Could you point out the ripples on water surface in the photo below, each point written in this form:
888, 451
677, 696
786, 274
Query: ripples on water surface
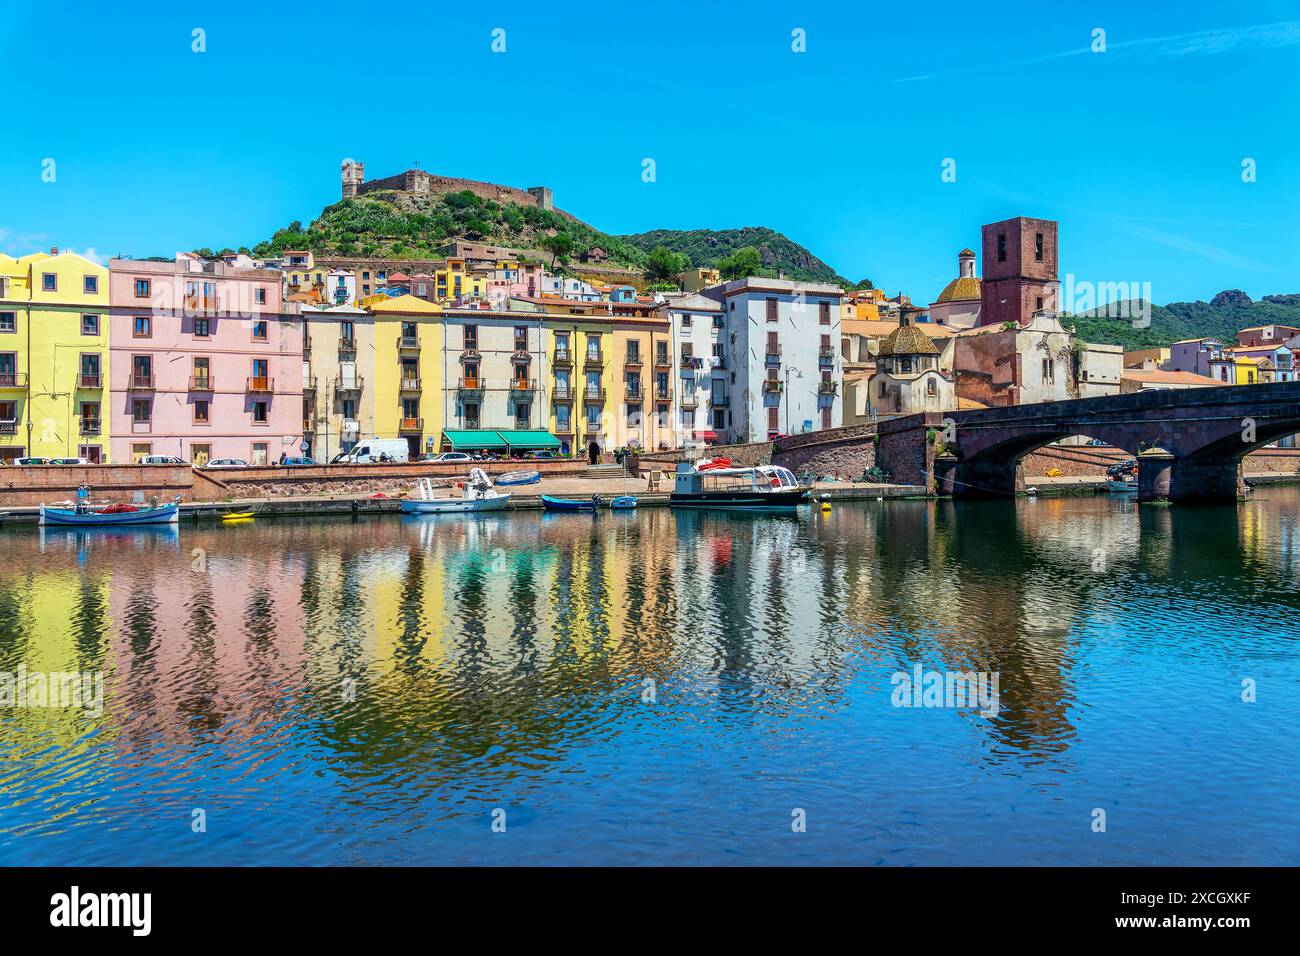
369, 691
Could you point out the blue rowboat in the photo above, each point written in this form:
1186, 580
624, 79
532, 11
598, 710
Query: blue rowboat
623, 502
519, 478
569, 504
162, 514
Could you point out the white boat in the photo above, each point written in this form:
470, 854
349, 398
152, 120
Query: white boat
477, 495
1121, 487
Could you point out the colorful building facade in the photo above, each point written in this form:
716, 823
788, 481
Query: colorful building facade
204, 362
408, 373
54, 357
338, 378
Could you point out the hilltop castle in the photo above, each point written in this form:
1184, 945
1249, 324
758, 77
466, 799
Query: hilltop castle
425, 184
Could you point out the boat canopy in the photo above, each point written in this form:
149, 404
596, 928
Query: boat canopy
478, 439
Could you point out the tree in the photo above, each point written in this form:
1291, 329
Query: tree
741, 263
558, 245
663, 264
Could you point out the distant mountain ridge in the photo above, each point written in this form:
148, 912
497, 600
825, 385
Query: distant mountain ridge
1190, 320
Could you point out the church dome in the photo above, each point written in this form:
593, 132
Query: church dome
907, 340
961, 289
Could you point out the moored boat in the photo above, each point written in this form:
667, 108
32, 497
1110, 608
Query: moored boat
118, 515
761, 488
519, 478
477, 494
551, 503
623, 502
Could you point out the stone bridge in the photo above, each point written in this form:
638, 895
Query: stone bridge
1189, 442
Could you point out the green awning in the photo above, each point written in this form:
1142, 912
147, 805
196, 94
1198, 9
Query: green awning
462, 440
530, 440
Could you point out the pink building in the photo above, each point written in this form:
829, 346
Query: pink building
205, 362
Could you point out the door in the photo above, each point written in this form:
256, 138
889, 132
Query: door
593, 453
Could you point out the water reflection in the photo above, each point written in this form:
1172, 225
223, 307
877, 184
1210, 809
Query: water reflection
363, 673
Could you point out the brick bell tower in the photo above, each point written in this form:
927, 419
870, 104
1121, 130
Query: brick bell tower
1020, 270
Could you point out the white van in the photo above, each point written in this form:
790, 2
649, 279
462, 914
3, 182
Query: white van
378, 449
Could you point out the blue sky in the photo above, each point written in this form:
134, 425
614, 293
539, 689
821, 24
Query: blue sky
1137, 151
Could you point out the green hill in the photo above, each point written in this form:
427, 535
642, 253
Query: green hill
706, 247
1189, 320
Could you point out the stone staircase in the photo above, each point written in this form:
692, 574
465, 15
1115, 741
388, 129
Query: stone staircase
604, 471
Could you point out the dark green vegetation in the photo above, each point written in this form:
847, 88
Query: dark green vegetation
1189, 320
714, 247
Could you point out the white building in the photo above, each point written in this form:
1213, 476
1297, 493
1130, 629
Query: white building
768, 363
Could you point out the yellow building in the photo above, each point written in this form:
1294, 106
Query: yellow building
611, 382
408, 386
53, 357
693, 280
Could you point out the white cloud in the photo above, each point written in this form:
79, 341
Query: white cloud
1205, 250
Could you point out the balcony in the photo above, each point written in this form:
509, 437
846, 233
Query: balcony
13, 380
593, 393
632, 360
10, 427
347, 346
773, 356
141, 382
562, 393
687, 361
409, 384
408, 343
662, 360
471, 385
202, 303
562, 357
260, 383
633, 393
826, 355
591, 428
309, 384
828, 388
351, 383
89, 426
773, 386
720, 401
523, 385
90, 380
594, 360
663, 395
306, 344
411, 425
690, 399
201, 383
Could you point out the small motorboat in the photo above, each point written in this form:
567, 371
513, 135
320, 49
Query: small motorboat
623, 502
571, 504
116, 514
1121, 479
760, 488
476, 495
520, 478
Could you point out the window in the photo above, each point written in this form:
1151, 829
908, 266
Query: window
1002, 247
199, 375
259, 453
259, 330
260, 416
824, 313
142, 371
200, 454
773, 418
201, 411
92, 453
826, 417
202, 329
49, 282
930, 388
1038, 304
772, 315
471, 415
881, 391
471, 337
8, 321
141, 410
1049, 371
140, 450
142, 287
349, 407
593, 348
521, 338
90, 325
1038, 246
89, 370
90, 285
259, 296
522, 412
142, 328
89, 415
563, 419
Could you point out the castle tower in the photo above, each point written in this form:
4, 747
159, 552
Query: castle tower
542, 195
354, 174
1020, 270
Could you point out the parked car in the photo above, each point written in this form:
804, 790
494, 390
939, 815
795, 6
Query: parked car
71, 461
226, 463
298, 462
547, 453
450, 456
162, 460
31, 461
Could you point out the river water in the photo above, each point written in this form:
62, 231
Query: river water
662, 688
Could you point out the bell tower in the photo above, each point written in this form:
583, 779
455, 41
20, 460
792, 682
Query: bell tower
354, 175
